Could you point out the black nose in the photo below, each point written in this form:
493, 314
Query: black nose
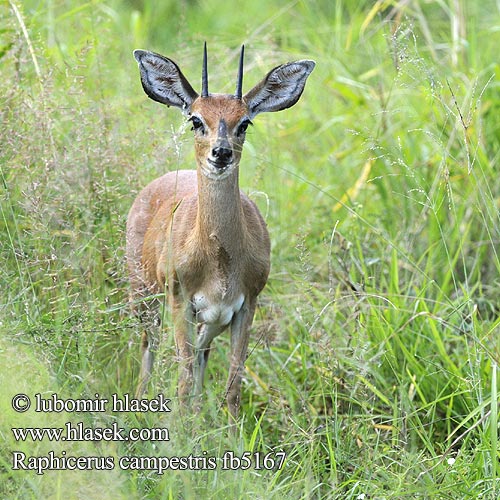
222, 154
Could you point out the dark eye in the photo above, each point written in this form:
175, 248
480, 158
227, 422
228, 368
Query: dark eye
242, 128
197, 124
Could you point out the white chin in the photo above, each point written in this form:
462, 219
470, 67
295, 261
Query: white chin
215, 173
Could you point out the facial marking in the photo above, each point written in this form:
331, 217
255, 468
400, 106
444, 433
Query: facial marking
222, 128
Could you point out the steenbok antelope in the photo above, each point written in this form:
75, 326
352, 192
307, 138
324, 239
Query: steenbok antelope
193, 234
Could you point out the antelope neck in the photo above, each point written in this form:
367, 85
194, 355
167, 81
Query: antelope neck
219, 217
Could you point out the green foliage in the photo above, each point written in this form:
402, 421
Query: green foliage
373, 360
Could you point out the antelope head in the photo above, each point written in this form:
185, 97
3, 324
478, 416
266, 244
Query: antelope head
220, 121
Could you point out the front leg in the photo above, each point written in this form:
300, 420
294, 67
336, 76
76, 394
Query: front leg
206, 333
240, 332
184, 334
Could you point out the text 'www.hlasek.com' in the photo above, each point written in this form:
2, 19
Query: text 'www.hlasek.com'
79, 432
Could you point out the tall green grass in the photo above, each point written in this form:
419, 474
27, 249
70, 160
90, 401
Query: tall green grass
374, 353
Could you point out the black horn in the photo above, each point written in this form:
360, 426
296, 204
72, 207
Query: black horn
239, 82
204, 73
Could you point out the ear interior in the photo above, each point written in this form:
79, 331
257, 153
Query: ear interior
280, 89
163, 81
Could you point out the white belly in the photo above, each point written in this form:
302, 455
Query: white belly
216, 313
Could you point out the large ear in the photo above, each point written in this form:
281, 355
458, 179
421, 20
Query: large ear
280, 89
163, 81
